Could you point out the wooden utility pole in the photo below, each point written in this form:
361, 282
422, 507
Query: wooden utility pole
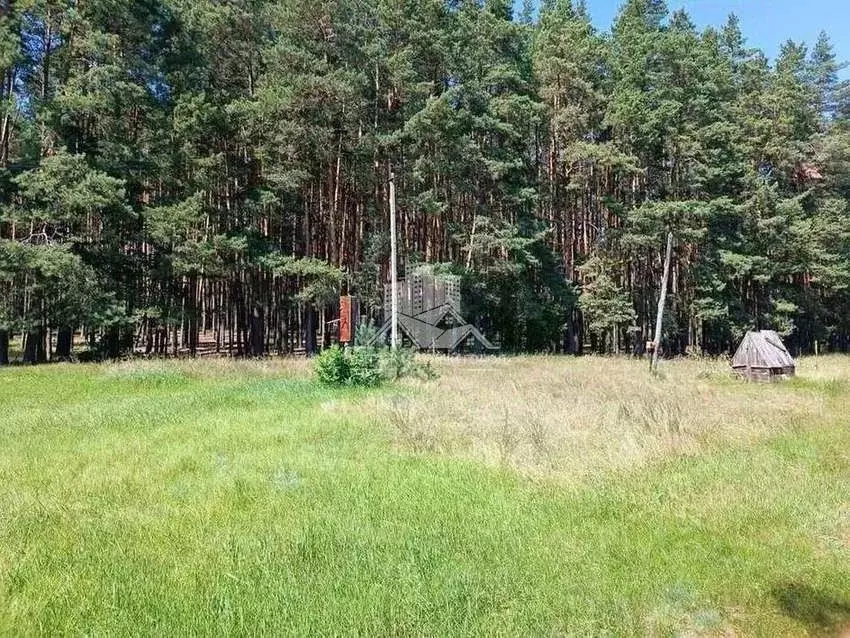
662, 300
393, 263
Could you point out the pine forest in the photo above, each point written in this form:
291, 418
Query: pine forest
185, 177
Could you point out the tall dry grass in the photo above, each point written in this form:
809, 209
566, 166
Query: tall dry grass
571, 417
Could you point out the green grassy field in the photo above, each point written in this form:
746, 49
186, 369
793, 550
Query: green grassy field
184, 499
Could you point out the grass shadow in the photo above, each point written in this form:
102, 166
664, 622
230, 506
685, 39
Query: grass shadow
821, 612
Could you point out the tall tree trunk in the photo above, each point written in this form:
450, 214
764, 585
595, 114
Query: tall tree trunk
192, 323
4, 348
662, 300
64, 343
310, 345
257, 338
34, 350
112, 342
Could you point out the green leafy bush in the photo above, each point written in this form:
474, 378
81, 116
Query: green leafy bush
366, 334
333, 366
364, 366
402, 362
360, 366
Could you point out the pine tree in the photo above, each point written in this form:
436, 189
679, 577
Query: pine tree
185, 176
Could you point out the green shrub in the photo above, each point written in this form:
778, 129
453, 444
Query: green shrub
365, 335
360, 366
402, 362
333, 366
364, 366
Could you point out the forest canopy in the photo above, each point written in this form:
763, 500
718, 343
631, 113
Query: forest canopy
182, 175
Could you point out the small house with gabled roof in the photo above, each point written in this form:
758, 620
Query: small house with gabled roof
430, 316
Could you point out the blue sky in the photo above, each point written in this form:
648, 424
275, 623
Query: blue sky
765, 23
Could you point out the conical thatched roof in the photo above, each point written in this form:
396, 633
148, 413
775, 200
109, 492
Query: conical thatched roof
763, 349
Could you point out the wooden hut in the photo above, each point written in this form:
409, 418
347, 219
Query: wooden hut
762, 357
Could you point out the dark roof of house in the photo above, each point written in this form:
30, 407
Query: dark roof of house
426, 332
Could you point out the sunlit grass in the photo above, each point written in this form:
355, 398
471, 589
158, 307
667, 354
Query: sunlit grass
184, 499
566, 417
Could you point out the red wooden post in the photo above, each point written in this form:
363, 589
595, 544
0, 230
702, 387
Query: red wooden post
346, 328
